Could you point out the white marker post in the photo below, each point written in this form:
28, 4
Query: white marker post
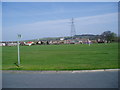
19, 36
89, 42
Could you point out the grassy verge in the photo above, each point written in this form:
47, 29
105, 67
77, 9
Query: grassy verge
62, 57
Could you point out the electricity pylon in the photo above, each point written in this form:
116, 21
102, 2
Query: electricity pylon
73, 32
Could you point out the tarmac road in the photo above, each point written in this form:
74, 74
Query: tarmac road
102, 79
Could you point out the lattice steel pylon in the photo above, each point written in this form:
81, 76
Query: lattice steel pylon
73, 32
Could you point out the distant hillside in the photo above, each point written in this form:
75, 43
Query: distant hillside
107, 35
86, 36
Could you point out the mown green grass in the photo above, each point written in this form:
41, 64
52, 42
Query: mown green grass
62, 57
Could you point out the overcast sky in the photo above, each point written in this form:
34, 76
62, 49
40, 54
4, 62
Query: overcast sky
50, 19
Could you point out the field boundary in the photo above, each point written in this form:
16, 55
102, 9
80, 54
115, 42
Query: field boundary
72, 71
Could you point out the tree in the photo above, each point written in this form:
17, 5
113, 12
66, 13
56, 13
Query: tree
109, 36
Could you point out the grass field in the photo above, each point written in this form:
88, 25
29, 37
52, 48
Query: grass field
62, 57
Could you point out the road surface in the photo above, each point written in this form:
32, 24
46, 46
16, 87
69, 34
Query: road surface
101, 79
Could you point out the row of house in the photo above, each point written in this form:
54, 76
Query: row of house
8, 43
15, 43
54, 42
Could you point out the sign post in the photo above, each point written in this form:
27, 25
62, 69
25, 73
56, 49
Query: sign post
19, 36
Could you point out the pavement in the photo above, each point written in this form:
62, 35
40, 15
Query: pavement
65, 71
60, 79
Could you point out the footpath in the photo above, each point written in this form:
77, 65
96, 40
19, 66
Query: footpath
65, 71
